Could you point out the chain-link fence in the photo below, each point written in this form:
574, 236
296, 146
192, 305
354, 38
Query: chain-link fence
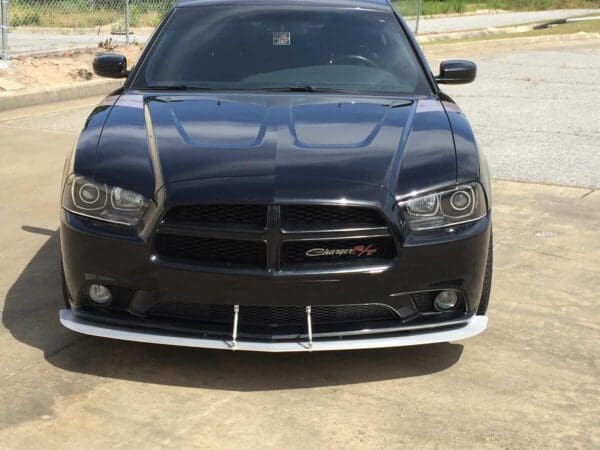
50, 26
4, 30
410, 10
32, 27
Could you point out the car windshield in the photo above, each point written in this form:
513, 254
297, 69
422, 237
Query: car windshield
272, 47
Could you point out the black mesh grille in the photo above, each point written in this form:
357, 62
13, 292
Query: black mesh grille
338, 251
324, 216
247, 215
231, 248
275, 315
201, 250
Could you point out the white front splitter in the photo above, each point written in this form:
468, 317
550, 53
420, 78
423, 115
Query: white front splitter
471, 328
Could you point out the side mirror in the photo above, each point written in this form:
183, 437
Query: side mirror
110, 65
456, 71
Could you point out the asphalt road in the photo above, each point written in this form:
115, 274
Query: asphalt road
28, 43
22, 42
530, 381
534, 108
479, 21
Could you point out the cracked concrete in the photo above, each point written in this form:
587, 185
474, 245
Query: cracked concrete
588, 193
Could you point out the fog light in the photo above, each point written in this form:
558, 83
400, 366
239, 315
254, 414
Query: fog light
100, 294
446, 300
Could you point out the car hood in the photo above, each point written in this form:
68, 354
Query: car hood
314, 142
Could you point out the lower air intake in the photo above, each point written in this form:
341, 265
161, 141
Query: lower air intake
275, 315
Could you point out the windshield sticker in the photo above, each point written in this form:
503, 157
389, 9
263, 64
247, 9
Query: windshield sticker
282, 38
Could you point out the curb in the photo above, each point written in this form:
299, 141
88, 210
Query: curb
14, 100
470, 34
454, 39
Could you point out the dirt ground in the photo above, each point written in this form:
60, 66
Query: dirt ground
28, 73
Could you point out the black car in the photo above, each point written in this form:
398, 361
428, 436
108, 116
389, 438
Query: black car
278, 176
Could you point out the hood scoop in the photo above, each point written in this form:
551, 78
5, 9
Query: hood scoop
336, 125
300, 143
218, 123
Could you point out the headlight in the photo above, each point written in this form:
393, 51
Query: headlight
462, 204
100, 201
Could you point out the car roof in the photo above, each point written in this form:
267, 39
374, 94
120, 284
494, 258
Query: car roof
365, 4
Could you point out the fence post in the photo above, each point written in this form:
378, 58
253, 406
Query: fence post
126, 22
4, 27
418, 15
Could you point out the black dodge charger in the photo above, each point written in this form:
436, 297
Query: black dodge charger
278, 176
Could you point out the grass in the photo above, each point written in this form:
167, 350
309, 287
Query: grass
147, 13
591, 26
85, 13
433, 7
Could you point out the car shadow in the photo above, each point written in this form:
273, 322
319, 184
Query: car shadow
31, 316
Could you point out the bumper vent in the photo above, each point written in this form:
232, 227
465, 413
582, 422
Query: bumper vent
214, 215
329, 217
209, 251
424, 301
275, 316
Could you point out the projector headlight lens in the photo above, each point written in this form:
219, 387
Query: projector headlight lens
460, 200
100, 201
89, 193
465, 203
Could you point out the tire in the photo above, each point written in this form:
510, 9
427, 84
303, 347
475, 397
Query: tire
487, 280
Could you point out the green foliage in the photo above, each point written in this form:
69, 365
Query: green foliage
443, 6
432, 7
25, 18
85, 13
148, 13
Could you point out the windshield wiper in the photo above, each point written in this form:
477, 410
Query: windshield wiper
303, 88
176, 87
307, 88
300, 88
284, 88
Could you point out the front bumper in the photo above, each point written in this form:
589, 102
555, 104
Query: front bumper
89, 256
442, 332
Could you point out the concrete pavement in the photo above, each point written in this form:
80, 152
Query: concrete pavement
33, 43
503, 19
530, 381
534, 107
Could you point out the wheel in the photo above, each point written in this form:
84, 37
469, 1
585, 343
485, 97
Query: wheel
487, 281
64, 286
